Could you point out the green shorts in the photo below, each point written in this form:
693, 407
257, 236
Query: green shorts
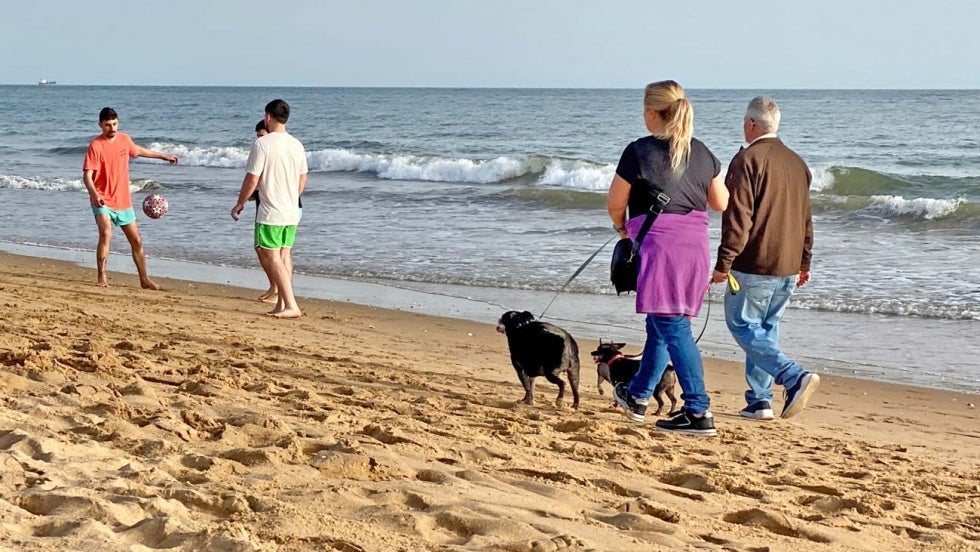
119, 218
274, 237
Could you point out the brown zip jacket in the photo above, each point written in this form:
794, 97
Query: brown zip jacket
767, 228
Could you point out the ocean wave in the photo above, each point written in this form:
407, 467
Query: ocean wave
544, 170
411, 167
898, 207
144, 185
66, 185
579, 175
69, 150
34, 183
221, 157
553, 198
895, 307
868, 192
920, 207
858, 181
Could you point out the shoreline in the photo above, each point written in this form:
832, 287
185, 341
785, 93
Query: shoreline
186, 419
868, 336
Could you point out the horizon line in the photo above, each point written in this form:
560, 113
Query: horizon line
398, 87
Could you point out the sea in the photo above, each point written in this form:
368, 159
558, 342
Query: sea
469, 202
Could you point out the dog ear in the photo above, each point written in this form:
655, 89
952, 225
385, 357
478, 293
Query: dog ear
619, 346
528, 315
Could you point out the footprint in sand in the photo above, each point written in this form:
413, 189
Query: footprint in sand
775, 523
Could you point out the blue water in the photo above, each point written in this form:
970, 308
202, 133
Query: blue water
504, 190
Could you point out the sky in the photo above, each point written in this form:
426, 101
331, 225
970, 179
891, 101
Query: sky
494, 43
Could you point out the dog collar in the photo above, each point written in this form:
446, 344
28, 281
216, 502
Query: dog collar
619, 356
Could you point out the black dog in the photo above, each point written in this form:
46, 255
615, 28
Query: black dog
616, 368
540, 349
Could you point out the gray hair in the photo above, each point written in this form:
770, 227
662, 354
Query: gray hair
764, 112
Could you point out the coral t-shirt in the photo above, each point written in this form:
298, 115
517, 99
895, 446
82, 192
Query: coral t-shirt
110, 161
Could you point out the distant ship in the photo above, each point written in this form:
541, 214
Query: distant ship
46, 81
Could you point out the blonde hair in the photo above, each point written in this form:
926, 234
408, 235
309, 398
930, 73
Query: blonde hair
669, 100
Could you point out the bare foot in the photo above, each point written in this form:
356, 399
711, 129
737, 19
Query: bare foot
270, 296
285, 313
150, 284
103, 281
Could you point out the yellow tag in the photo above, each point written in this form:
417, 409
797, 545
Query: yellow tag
733, 283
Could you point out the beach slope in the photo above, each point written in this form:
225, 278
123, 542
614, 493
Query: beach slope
186, 420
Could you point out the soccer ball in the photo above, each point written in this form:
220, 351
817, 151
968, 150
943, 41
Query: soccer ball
155, 206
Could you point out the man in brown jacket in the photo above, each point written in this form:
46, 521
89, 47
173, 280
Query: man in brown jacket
766, 240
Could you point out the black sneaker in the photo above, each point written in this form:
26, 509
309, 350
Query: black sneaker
686, 423
799, 394
759, 410
636, 408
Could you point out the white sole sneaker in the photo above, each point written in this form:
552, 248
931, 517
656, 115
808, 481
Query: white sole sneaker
764, 414
808, 386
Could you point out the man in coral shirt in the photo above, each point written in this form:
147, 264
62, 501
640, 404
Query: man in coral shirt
106, 176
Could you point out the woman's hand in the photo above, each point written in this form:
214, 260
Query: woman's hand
616, 201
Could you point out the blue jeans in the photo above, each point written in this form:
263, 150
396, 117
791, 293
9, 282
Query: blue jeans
753, 315
670, 338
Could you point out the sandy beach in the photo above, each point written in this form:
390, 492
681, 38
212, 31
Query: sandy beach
187, 420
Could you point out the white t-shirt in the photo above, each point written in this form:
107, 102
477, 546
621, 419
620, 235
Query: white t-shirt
278, 160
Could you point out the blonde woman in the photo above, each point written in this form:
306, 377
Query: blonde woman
675, 263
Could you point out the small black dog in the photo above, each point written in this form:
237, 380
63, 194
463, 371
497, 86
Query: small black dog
613, 366
540, 349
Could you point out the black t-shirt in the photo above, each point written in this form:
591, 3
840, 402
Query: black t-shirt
645, 164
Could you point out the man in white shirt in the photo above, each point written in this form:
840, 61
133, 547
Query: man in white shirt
277, 167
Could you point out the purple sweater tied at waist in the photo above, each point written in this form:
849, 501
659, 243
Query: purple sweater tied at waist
675, 264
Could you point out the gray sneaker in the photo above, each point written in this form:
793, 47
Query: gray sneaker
798, 395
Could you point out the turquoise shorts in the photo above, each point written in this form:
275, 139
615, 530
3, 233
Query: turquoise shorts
119, 218
274, 237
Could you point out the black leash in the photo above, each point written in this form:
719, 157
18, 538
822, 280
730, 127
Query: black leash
575, 275
707, 314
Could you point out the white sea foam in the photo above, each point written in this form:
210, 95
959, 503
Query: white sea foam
565, 173
578, 175
823, 179
924, 207
410, 167
223, 157
64, 184
54, 184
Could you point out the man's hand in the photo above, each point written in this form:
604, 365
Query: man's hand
237, 210
95, 200
172, 159
803, 278
718, 277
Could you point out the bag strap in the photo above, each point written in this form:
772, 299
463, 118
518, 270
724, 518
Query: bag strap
660, 201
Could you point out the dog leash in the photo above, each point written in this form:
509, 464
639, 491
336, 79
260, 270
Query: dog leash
575, 275
707, 314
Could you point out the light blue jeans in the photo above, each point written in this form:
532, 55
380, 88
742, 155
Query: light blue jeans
670, 338
753, 316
